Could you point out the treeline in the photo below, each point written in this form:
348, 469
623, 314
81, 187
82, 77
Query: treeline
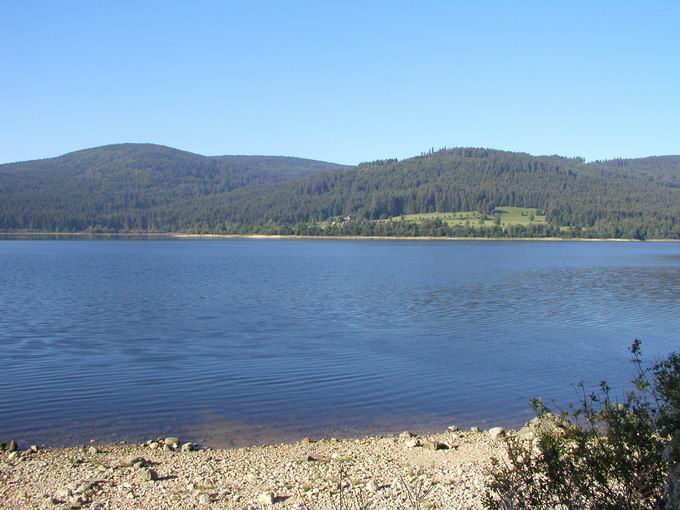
139, 188
367, 228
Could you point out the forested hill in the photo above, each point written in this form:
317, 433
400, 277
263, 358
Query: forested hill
81, 189
579, 199
178, 191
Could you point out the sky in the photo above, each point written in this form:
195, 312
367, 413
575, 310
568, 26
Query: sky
340, 81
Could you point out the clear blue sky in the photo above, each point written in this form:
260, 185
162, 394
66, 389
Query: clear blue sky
341, 81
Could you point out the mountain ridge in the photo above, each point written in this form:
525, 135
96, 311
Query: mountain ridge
156, 188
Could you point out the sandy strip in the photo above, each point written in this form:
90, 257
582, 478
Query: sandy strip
183, 235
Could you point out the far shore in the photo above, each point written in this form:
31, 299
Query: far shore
182, 235
445, 470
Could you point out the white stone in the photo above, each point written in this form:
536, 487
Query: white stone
496, 432
266, 498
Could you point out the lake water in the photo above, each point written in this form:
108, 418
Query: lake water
233, 342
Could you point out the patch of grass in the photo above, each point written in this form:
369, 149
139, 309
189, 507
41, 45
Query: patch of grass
508, 216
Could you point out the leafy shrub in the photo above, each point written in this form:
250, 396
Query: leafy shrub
605, 454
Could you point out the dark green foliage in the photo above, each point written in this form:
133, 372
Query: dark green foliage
86, 189
158, 189
610, 455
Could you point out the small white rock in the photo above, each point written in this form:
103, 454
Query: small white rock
266, 498
496, 432
412, 443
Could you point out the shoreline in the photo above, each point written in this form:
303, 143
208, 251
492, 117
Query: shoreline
181, 235
450, 467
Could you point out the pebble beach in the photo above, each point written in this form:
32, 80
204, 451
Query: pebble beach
445, 471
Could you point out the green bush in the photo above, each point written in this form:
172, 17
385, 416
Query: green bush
604, 454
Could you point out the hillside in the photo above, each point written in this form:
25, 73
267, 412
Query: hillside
578, 199
153, 188
78, 190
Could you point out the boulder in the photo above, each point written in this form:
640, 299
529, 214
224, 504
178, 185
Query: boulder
172, 442
496, 432
546, 424
412, 443
526, 434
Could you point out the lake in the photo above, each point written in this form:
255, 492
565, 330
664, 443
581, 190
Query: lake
236, 342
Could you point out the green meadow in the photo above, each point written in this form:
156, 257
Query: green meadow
508, 216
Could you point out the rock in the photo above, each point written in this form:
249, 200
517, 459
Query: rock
548, 424
188, 447
93, 450
435, 445
172, 442
153, 445
496, 432
371, 486
204, 499
34, 448
412, 443
135, 462
11, 446
453, 428
150, 475
526, 434
62, 494
406, 435
306, 440
266, 498
86, 487
474, 429
309, 458
13, 455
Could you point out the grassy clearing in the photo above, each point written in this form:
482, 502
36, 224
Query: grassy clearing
508, 216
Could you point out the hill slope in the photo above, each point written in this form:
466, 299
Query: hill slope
641, 201
72, 192
153, 188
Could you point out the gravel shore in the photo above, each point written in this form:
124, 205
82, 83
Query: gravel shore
445, 471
